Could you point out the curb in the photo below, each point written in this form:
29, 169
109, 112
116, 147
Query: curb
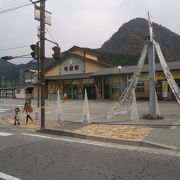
107, 139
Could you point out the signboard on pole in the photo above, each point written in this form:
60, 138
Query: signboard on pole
47, 16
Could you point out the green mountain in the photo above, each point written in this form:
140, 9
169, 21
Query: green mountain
9, 71
125, 46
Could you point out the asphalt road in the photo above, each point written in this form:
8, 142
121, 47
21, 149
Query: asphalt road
31, 156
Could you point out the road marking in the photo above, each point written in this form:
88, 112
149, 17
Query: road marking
5, 134
75, 114
8, 177
3, 110
36, 135
111, 145
175, 124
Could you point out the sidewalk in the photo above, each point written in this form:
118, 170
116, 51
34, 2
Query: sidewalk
122, 134
163, 133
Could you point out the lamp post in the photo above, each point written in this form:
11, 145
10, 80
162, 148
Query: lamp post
119, 70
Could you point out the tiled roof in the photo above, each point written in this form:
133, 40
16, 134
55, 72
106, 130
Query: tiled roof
130, 69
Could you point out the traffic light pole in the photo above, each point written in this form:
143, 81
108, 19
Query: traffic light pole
42, 59
38, 75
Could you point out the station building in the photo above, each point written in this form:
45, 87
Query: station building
80, 69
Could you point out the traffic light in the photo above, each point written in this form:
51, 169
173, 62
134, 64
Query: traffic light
35, 48
57, 52
7, 57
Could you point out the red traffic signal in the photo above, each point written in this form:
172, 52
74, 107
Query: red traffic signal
57, 52
35, 48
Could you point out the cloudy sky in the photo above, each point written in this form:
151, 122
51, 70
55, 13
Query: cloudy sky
85, 23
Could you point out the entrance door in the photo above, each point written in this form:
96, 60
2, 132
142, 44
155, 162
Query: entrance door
91, 92
75, 92
68, 89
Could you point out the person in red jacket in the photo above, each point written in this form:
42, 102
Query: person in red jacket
28, 109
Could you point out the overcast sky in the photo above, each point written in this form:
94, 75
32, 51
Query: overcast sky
85, 23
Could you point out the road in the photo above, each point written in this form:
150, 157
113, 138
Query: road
33, 156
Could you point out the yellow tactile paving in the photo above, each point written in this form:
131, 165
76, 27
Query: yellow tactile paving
33, 125
115, 131
111, 131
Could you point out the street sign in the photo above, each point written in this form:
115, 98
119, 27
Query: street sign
47, 16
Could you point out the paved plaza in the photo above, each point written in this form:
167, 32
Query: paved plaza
73, 110
164, 132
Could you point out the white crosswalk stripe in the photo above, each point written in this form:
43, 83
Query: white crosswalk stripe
3, 110
8, 177
5, 134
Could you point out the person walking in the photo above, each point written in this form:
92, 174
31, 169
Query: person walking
17, 116
28, 109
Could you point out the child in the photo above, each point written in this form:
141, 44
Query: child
16, 116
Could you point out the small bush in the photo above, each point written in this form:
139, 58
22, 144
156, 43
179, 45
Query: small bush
148, 117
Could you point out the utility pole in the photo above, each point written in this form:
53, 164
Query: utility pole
151, 60
42, 59
152, 90
38, 64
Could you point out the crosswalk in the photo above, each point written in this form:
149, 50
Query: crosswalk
5, 134
8, 177
3, 110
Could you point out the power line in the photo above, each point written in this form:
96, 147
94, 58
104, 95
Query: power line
11, 3
14, 8
33, 2
20, 47
11, 6
51, 35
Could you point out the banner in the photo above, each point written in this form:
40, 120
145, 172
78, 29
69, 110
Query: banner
165, 89
126, 98
172, 83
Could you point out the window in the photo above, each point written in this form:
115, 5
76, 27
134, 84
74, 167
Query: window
71, 68
77, 67
115, 86
18, 91
158, 85
140, 87
66, 68
178, 82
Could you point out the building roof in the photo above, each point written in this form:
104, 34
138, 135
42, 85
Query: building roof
130, 69
82, 48
70, 76
77, 56
86, 59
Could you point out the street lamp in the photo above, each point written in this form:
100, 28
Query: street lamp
119, 67
119, 70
